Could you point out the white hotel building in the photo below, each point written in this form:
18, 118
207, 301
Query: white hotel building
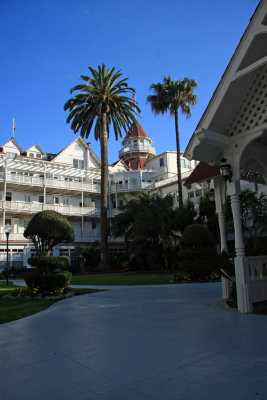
69, 182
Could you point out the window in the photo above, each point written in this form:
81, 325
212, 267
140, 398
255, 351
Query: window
81, 164
38, 155
161, 162
183, 164
65, 201
56, 200
93, 225
78, 163
27, 198
41, 199
11, 155
31, 154
8, 196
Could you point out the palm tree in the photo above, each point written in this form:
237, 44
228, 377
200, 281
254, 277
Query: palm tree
148, 222
171, 96
102, 100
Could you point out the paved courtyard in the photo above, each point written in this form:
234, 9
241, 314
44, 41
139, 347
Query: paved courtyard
169, 342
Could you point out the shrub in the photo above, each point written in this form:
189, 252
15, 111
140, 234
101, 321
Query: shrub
14, 271
49, 263
198, 263
48, 282
197, 236
48, 228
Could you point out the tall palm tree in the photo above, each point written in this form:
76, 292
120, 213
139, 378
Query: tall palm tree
172, 96
102, 100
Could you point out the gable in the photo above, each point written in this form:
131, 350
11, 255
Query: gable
77, 154
11, 147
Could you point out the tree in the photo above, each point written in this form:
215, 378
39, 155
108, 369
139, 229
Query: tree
46, 229
208, 216
148, 222
185, 215
172, 96
102, 100
254, 220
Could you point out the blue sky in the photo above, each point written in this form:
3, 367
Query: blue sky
46, 45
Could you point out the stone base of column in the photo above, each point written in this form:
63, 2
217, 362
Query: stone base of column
243, 285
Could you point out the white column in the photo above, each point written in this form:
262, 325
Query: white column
4, 199
44, 187
219, 192
82, 210
221, 219
243, 283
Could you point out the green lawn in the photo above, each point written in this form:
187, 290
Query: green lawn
123, 279
19, 307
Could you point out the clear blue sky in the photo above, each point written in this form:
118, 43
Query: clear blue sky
45, 45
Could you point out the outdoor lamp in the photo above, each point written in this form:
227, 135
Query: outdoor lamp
8, 229
226, 172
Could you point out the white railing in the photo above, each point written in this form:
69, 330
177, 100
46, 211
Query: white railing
33, 208
137, 147
258, 275
16, 237
54, 183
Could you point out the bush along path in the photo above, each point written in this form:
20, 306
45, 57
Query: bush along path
17, 302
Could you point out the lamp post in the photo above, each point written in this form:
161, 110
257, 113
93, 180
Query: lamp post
8, 229
226, 172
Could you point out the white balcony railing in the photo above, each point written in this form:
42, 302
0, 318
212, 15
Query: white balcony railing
18, 237
32, 208
258, 274
49, 182
137, 148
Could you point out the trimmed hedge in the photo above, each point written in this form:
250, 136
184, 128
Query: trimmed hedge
49, 263
199, 263
197, 236
47, 282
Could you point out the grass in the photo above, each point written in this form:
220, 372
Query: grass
124, 279
19, 307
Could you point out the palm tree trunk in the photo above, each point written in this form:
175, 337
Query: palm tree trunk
180, 192
104, 263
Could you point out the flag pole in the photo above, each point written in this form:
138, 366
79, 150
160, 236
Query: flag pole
13, 127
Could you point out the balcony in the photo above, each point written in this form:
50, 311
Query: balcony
52, 183
22, 207
137, 148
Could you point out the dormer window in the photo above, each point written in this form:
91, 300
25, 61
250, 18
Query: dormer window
31, 154
78, 163
161, 162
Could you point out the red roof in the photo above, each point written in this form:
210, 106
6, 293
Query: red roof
136, 130
202, 172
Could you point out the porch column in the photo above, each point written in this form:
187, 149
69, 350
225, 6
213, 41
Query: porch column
219, 192
243, 284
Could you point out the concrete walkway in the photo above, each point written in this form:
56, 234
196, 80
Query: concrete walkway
169, 342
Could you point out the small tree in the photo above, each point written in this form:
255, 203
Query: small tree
46, 229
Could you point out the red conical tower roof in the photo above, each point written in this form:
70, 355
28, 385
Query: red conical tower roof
136, 130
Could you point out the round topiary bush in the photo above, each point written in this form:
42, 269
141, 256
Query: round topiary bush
49, 263
47, 282
48, 228
198, 263
197, 236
